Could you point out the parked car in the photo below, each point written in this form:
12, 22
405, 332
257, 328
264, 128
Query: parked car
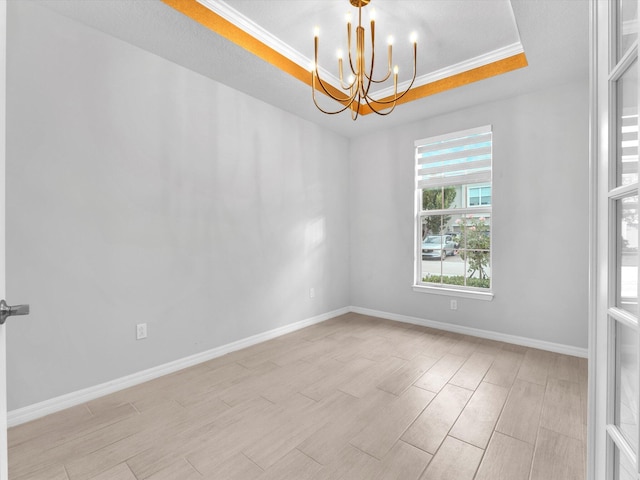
456, 238
438, 246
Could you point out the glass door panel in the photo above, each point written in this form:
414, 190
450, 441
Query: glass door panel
627, 127
626, 383
624, 469
627, 25
627, 254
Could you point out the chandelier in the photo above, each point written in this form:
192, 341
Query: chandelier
360, 79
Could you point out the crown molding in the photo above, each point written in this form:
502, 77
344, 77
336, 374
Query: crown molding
461, 67
231, 15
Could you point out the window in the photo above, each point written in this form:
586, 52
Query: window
478, 196
453, 219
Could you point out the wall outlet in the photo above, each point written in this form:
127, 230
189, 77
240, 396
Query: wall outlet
312, 292
141, 331
454, 305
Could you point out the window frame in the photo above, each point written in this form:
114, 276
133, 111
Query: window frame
441, 288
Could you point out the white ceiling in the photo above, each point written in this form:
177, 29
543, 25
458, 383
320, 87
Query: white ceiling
553, 33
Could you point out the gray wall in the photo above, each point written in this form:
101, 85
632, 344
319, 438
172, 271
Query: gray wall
540, 216
139, 191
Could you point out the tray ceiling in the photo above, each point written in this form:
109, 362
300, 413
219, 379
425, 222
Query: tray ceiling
459, 41
553, 33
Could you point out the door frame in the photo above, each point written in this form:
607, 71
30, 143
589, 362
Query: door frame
591, 459
606, 69
4, 475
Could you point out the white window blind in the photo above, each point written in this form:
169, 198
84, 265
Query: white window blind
454, 159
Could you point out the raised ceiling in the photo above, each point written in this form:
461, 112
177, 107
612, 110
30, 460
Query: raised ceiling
453, 34
279, 32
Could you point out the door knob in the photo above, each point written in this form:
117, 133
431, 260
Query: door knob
7, 311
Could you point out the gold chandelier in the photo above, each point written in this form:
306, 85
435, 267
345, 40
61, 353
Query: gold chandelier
356, 88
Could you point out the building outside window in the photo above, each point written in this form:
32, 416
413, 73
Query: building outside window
477, 196
453, 212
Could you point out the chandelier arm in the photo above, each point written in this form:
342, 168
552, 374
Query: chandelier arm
316, 75
349, 100
395, 97
326, 111
382, 80
317, 72
373, 54
370, 103
329, 94
389, 63
355, 111
382, 114
343, 85
353, 71
398, 97
365, 92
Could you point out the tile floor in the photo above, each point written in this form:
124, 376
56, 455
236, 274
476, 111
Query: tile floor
352, 398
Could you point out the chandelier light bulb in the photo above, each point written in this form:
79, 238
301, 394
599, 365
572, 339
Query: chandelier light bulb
316, 32
372, 15
339, 54
347, 17
414, 37
390, 40
395, 70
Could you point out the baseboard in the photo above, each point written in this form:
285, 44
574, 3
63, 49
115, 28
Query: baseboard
476, 332
41, 409
46, 407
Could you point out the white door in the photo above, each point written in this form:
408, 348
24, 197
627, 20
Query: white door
3, 358
615, 444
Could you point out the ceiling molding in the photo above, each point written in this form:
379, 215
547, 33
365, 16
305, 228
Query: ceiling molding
241, 21
237, 28
464, 78
458, 68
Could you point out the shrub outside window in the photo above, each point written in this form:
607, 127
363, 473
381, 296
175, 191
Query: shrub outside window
453, 211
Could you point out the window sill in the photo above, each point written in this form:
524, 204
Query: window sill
452, 292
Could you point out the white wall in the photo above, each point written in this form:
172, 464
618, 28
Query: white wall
139, 191
540, 215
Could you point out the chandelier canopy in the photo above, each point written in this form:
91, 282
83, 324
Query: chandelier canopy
356, 90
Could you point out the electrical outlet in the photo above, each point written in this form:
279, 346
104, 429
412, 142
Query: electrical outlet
141, 331
312, 292
454, 305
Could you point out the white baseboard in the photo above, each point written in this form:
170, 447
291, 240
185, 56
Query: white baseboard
46, 407
476, 332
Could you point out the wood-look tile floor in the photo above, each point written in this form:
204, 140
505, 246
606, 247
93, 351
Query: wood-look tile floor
352, 398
